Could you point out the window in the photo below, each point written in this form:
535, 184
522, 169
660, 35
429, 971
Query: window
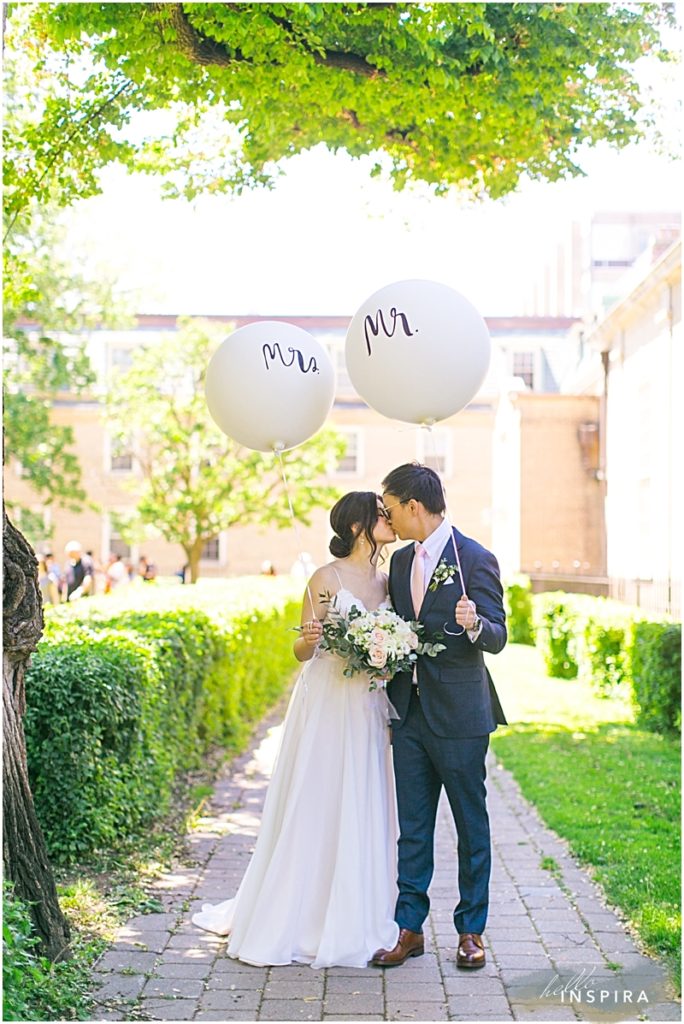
434, 450
117, 545
336, 351
350, 463
120, 455
121, 358
523, 367
210, 551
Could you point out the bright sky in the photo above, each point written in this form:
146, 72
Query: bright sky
328, 235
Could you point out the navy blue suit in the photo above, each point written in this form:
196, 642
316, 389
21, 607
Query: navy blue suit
442, 733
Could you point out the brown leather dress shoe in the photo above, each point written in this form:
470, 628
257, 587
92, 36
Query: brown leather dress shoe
471, 952
409, 944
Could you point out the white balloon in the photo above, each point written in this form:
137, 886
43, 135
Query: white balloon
270, 385
417, 351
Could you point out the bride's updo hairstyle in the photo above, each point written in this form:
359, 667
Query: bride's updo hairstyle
357, 509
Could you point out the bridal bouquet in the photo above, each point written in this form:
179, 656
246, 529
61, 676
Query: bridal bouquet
379, 643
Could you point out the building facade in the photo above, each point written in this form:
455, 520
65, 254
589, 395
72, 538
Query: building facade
491, 491
587, 267
633, 363
567, 463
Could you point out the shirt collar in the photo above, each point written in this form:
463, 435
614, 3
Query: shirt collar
436, 542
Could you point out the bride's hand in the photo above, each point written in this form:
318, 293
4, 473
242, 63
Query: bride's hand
312, 632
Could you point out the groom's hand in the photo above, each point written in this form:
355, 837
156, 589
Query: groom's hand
466, 613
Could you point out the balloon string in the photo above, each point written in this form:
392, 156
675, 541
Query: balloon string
428, 425
279, 453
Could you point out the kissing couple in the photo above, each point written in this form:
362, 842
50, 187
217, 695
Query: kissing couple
344, 856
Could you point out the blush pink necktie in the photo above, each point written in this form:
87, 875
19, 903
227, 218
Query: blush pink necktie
418, 578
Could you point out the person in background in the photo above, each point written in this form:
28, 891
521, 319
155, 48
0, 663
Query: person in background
99, 573
79, 580
116, 573
304, 567
268, 568
146, 570
54, 577
49, 591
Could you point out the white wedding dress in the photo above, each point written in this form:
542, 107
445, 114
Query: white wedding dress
320, 888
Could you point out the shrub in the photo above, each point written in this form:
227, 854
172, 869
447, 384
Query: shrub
605, 651
33, 988
91, 703
18, 958
613, 646
556, 629
518, 597
656, 664
119, 700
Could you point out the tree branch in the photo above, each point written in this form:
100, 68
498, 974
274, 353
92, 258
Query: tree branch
347, 62
204, 51
63, 146
191, 43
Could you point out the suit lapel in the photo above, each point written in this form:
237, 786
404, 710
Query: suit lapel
449, 557
403, 583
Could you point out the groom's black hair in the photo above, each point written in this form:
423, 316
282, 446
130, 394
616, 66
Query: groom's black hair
412, 480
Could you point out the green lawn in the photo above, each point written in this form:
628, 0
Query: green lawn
609, 788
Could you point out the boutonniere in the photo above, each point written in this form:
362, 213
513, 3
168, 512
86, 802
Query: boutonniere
442, 574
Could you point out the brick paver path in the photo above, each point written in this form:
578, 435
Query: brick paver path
554, 950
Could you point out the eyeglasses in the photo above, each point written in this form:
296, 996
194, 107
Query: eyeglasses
388, 508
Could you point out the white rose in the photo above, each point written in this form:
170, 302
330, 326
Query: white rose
377, 657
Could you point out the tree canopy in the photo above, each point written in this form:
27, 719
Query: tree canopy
47, 294
472, 95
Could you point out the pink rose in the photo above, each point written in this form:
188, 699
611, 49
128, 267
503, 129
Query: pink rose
413, 640
377, 638
377, 657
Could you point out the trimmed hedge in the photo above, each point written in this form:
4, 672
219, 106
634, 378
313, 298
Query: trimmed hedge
120, 700
614, 646
657, 675
605, 644
557, 630
519, 610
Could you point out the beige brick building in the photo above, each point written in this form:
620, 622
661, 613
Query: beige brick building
548, 503
633, 362
511, 461
567, 463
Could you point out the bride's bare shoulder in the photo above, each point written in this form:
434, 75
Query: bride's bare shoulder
325, 578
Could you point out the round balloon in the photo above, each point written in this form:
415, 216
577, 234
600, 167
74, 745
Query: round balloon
417, 351
270, 385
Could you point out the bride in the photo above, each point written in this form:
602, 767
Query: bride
320, 888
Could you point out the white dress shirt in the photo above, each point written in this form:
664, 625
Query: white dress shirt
434, 546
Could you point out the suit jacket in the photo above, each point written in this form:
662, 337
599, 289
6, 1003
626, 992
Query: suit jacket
457, 694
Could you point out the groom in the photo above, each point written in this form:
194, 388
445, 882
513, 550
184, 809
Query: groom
446, 711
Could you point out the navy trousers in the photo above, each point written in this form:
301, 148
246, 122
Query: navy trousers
423, 763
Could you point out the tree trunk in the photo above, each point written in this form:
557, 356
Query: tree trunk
194, 567
194, 553
24, 852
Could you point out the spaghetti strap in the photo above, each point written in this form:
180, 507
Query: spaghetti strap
339, 578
